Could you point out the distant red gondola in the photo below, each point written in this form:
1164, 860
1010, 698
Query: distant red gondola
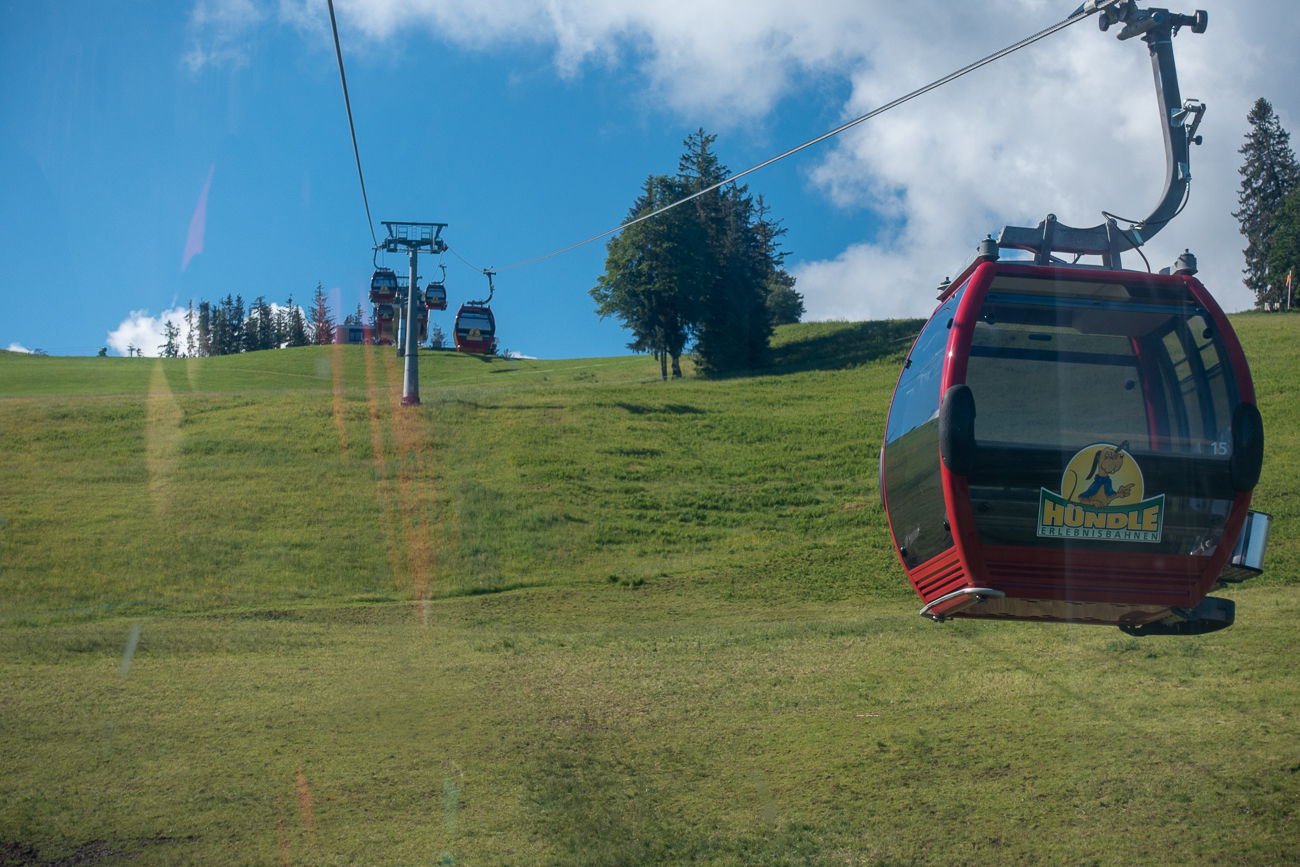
435, 297
475, 329
385, 325
383, 286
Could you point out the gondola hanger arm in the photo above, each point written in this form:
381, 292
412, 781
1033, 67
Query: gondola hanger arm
1179, 122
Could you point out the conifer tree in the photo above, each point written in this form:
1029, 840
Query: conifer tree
295, 333
1269, 174
732, 326
654, 274
281, 326
1284, 253
322, 320
205, 329
227, 325
268, 332
221, 326
171, 334
235, 325
784, 304
708, 269
259, 328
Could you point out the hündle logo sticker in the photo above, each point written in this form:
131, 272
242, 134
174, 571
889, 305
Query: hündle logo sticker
1102, 498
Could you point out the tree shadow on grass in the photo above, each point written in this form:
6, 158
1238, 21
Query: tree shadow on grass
833, 346
670, 409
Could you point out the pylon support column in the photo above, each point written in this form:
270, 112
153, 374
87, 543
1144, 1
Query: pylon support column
411, 380
411, 238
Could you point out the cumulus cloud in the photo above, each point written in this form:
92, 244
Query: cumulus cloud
18, 347
220, 32
145, 333
513, 354
1068, 126
727, 57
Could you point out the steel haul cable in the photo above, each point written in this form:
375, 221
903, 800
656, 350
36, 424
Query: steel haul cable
1080, 14
338, 51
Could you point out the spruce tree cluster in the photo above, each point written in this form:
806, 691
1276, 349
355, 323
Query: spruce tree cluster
1269, 212
224, 328
710, 270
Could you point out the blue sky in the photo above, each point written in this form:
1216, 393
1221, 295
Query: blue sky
527, 126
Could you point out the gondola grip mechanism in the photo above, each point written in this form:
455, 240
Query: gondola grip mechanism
1157, 28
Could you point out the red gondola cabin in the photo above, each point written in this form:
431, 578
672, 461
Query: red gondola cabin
385, 325
1071, 444
383, 286
435, 297
475, 329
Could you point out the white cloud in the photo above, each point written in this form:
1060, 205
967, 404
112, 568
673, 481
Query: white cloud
726, 57
146, 333
221, 31
513, 354
18, 347
1068, 126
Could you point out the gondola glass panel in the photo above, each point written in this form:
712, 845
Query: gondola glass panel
1104, 415
911, 480
470, 322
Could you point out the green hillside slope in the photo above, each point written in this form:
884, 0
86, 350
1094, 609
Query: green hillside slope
565, 613
254, 475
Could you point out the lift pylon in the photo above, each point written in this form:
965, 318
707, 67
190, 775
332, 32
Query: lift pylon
411, 238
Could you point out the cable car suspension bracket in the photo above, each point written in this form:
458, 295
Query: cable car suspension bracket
492, 289
1180, 121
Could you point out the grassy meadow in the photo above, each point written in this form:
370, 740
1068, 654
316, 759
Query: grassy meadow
253, 612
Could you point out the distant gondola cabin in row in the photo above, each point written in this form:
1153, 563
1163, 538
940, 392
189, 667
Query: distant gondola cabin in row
435, 296
383, 286
475, 329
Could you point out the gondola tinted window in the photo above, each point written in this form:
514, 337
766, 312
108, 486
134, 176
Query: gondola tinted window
917, 398
912, 482
470, 321
1062, 369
